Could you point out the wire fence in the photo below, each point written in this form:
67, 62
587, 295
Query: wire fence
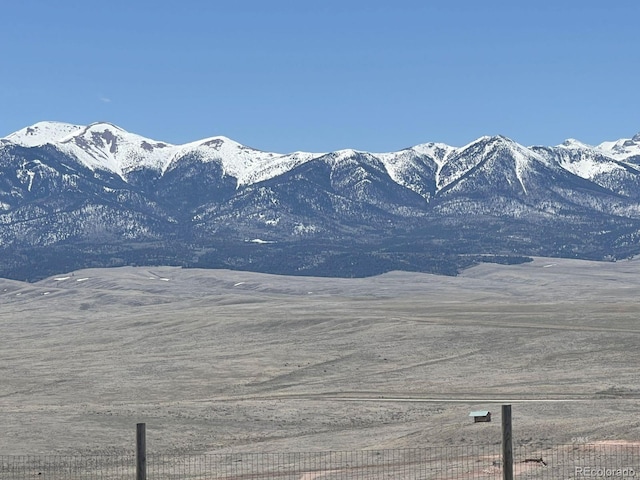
469, 462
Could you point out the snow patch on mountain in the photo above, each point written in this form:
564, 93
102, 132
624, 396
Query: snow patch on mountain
277, 166
522, 161
109, 147
622, 149
572, 143
341, 156
584, 160
246, 164
42, 133
438, 151
461, 160
412, 168
524, 157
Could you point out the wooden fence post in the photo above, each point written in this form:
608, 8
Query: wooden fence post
507, 446
141, 452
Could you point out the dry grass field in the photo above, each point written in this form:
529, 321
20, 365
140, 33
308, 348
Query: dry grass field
222, 361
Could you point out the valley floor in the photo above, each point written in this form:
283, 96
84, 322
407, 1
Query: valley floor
220, 361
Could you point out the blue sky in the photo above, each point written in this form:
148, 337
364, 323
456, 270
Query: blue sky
319, 76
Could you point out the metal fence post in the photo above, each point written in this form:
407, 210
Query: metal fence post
507, 445
141, 453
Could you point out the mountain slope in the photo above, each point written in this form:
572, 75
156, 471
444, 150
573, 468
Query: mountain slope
74, 196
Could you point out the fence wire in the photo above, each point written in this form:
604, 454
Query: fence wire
67, 467
574, 461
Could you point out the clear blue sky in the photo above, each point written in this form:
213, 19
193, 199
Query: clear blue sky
324, 75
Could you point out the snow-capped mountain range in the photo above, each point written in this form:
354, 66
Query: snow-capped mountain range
110, 197
103, 146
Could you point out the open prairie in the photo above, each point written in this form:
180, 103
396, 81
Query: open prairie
221, 361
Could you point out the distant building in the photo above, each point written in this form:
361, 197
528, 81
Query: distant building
481, 416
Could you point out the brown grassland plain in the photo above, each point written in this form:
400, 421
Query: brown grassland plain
223, 361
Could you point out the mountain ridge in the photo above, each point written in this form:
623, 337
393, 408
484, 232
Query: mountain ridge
146, 149
97, 195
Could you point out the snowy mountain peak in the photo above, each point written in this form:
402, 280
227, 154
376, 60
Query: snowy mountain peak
42, 133
573, 143
486, 141
437, 151
505, 141
106, 146
107, 131
502, 138
217, 143
96, 133
99, 126
622, 149
348, 155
